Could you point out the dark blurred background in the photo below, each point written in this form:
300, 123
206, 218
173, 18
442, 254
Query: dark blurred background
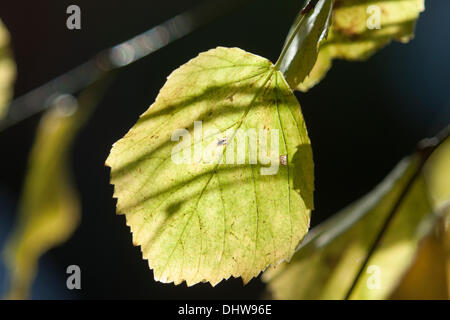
362, 119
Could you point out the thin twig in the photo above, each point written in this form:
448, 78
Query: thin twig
116, 57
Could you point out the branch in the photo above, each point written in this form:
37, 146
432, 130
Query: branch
116, 57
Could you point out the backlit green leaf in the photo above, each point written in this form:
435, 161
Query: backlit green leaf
207, 221
360, 27
7, 70
329, 261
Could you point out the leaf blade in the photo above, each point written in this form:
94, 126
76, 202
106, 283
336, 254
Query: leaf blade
207, 222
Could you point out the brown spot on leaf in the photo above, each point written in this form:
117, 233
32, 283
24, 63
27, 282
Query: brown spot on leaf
283, 160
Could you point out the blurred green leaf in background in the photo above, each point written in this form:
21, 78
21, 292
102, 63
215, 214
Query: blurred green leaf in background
7, 70
49, 208
411, 200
